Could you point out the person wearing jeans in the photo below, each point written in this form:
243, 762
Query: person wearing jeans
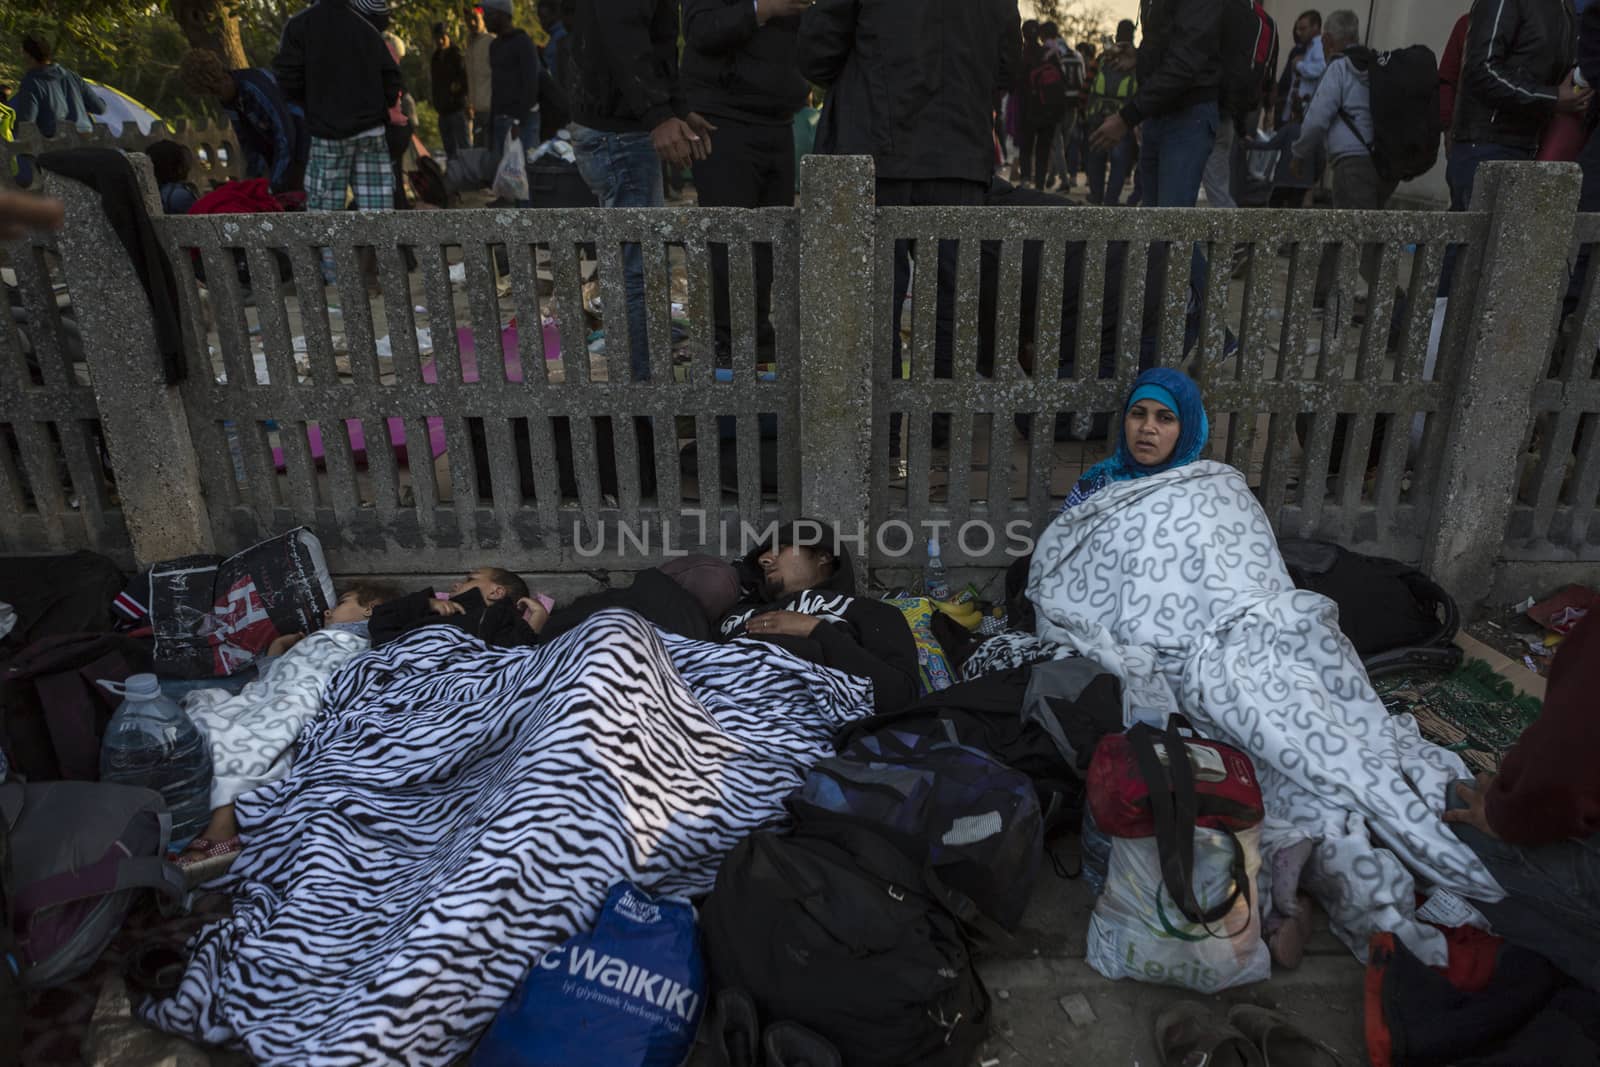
628, 117
1180, 79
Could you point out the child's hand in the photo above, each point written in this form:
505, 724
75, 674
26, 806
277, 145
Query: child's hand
284, 644
446, 607
533, 613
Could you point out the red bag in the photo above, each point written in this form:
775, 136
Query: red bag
1135, 789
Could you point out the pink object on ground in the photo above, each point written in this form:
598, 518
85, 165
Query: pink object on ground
430, 374
545, 601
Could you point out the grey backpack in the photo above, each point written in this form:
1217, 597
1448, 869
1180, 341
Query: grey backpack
79, 854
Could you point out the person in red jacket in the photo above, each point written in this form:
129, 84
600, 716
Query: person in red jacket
1536, 824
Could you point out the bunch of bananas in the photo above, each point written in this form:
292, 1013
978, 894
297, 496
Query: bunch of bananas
966, 612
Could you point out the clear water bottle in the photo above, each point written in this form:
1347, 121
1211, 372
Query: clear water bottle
935, 582
1096, 853
151, 742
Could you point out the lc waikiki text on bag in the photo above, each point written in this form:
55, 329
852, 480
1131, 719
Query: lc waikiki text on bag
628, 994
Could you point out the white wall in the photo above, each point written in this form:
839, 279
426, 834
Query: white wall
1393, 24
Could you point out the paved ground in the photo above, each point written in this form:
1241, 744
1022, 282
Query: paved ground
1323, 996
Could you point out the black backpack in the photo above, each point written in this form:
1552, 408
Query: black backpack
972, 822
1396, 617
1404, 85
840, 935
1249, 51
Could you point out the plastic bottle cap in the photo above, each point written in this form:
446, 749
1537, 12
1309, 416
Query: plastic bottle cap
142, 687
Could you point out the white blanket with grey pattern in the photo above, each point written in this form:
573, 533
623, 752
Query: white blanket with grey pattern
252, 733
1175, 583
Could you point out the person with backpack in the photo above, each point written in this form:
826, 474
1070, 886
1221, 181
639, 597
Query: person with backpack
1064, 162
1180, 79
1113, 86
1340, 117
1044, 105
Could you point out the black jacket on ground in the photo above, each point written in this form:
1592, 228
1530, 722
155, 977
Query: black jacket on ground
737, 69
625, 59
448, 73
1180, 58
858, 635
514, 69
1517, 54
498, 624
911, 83
338, 67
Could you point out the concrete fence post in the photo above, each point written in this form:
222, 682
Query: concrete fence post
142, 417
1523, 273
837, 230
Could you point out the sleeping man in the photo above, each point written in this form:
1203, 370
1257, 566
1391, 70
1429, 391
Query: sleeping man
799, 594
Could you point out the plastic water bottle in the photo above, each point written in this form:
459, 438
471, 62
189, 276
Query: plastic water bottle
935, 582
151, 742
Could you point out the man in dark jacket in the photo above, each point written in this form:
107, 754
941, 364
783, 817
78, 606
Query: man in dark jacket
514, 70
333, 63
629, 116
447, 73
271, 135
1516, 73
912, 83
739, 71
1536, 824
800, 594
1180, 82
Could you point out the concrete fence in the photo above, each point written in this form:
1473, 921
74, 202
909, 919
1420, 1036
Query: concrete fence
464, 391
217, 157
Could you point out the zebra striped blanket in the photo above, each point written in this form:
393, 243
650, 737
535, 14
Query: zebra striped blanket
456, 810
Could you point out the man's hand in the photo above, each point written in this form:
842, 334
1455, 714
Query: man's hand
675, 142
785, 623
1109, 135
446, 607
1570, 97
1473, 814
283, 644
777, 9
22, 213
703, 129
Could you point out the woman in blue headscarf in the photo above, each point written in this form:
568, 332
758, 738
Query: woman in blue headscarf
1164, 569
1164, 426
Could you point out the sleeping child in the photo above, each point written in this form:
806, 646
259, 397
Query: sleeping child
253, 733
490, 603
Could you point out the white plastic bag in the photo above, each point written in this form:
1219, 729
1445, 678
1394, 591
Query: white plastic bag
1137, 931
511, 177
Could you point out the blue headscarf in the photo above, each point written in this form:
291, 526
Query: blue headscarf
1172, 389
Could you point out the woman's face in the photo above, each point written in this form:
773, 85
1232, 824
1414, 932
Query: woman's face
1152, 431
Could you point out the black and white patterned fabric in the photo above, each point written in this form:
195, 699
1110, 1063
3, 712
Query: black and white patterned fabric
1008, 650
1174, 583
456, 810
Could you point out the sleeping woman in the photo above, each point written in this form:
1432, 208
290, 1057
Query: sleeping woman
1163, 568
253, 733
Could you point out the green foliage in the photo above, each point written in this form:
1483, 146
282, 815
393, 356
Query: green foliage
136, 45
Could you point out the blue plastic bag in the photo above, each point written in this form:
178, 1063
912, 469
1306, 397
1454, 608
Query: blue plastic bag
629, 994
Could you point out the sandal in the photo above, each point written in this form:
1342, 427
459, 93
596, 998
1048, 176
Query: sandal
1281, 1043
1188, 1036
